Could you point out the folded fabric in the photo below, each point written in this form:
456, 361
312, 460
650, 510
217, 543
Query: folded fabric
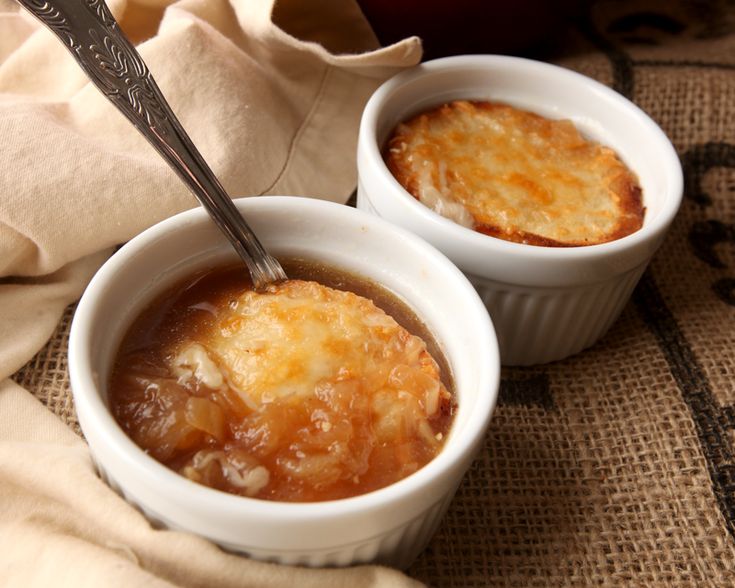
271, 93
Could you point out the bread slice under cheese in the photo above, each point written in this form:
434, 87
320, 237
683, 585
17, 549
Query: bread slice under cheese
515, 175
336, 397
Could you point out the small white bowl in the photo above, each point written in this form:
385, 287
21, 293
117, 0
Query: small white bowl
390, 525
546, 303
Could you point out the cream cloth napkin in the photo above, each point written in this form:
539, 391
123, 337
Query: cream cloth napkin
271, 93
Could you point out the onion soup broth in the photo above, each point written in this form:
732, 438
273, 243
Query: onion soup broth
248, 393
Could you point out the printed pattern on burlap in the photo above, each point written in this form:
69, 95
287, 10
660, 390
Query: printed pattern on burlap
614, 467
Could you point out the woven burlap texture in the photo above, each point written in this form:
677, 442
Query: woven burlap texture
614, 467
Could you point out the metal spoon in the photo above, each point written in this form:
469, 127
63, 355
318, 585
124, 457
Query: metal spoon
90, 32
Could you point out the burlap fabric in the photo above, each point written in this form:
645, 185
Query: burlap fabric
614, 467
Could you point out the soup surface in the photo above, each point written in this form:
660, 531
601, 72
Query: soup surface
308, 391
515, 175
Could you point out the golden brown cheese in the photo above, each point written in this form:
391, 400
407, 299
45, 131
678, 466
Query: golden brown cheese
300, 392
515, 175
264, 345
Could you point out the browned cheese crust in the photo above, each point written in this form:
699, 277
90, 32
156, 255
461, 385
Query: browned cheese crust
515, 175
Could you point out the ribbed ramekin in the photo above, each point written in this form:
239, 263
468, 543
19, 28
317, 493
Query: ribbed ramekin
388, 526
546, 302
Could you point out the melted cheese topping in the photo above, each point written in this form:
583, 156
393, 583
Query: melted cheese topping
265, 344
515, 175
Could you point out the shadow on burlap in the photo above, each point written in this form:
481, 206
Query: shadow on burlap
614, 467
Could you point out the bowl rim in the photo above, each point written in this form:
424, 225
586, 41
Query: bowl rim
95, 416
369, 148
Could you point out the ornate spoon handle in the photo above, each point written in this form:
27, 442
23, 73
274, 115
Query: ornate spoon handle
90, 32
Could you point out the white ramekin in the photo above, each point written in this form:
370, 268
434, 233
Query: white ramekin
546, 303
389, 526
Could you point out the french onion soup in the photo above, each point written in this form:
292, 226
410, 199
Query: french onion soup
322, 387
515, 175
